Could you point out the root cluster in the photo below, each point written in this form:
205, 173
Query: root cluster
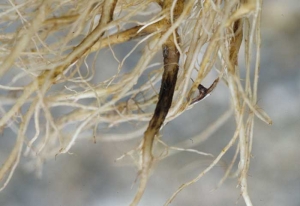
48, 56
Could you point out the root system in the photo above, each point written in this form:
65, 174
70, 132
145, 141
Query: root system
46, 51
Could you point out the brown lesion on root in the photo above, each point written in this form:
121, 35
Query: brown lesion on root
235, 44
171, 58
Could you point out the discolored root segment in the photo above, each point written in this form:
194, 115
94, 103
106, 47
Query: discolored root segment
171, 57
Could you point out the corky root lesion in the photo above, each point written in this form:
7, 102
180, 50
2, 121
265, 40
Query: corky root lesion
171, 58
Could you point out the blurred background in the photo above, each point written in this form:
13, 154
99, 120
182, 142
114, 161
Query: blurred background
91, 176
